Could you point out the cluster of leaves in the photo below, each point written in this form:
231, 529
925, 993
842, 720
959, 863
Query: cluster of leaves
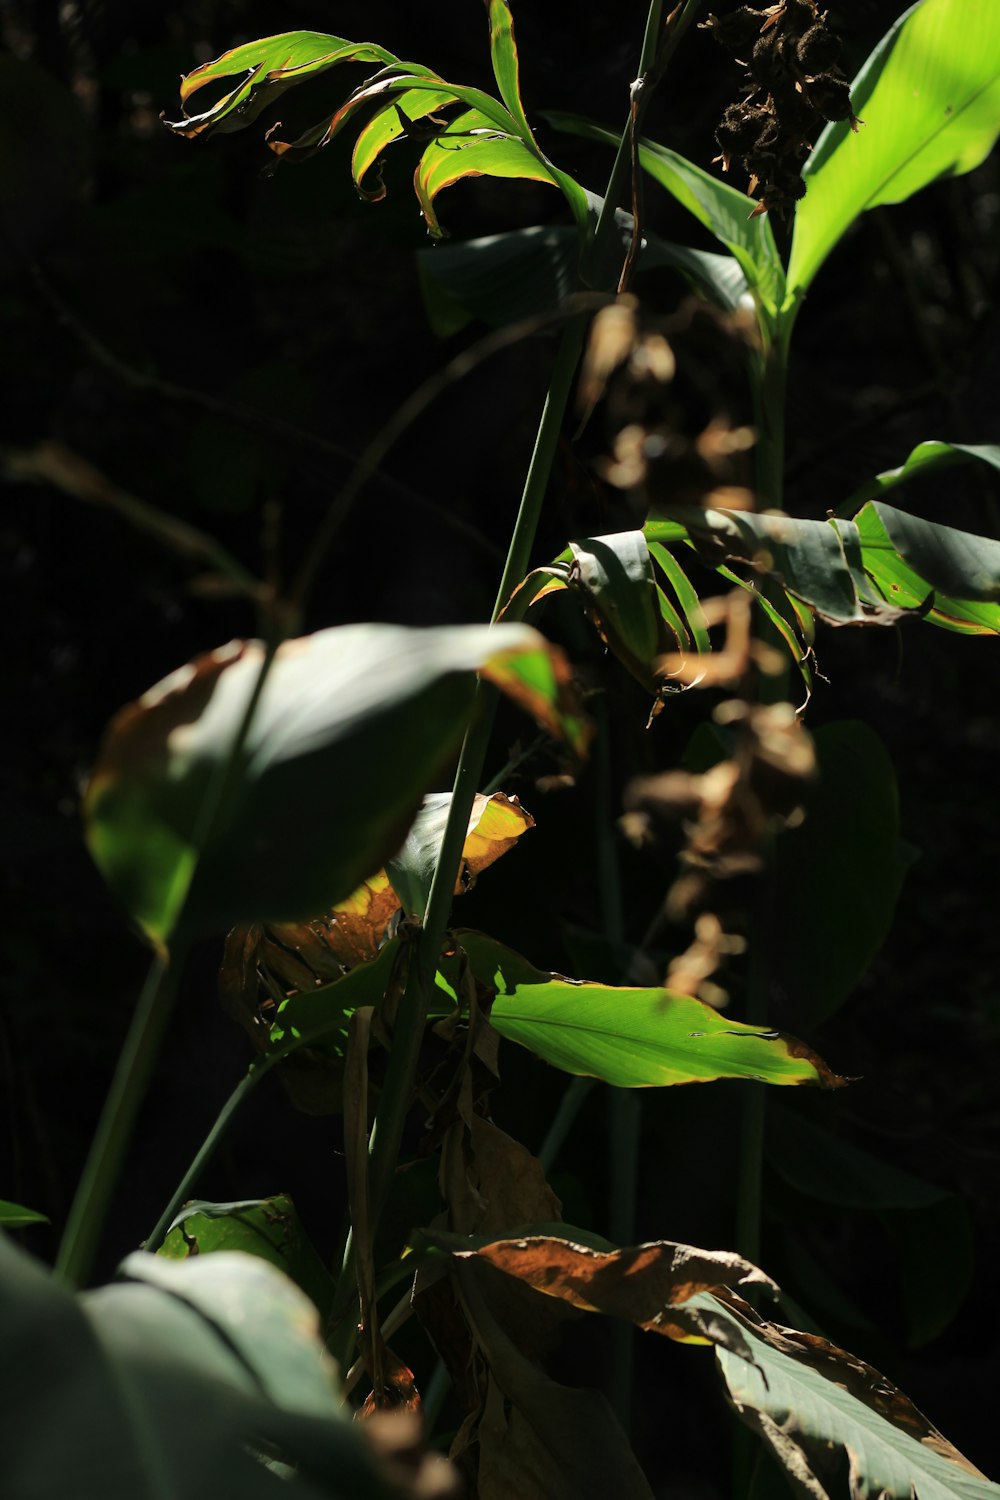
341, 952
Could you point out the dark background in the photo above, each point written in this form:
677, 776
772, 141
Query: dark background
146, 278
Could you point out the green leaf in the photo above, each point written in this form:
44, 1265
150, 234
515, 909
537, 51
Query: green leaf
614, 574
151, 1399
292, 1371
925, 459
13, 1216
352, 726
837, 878
632, 1038
472, 147
687, 594
952, 575
929, 97
266, 1227
388, 124
873, 570
811, 1401
721, 209
269, 67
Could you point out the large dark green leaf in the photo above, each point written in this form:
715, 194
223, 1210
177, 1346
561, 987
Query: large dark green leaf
630, 1037
929, 96
952, 575
351, 728
137, 1393
814, 1404
838, 876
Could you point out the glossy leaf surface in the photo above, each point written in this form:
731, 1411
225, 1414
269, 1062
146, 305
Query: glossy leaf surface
929, 97
352, 723
630, 1037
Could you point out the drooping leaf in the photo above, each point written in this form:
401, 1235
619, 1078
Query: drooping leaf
631, 1037
389, 122
925, 459
929, 97
13, 1216
723, 210
495, 824
351, 726
268, 1228
643, 1284
837, 877
149, 1399
812, 1402
471, 146
268, 67
687, 594
875, 569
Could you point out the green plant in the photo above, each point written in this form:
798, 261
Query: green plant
189, 818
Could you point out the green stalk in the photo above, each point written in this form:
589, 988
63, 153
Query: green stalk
114, 1130
770, 391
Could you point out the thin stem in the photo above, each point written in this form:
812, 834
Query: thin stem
128, 1089
563, 1121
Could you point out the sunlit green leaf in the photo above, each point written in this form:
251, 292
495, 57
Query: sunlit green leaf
269, 67
388, 124
352, 726
929, 97
633, 1038
811, 1403
472, 147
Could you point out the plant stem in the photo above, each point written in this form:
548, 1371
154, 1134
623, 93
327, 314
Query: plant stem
128, 1088
387, 1130
769, 399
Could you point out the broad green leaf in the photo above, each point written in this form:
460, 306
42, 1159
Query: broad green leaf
292, 1370
351, 727
149, 1399
723, 210
811, 1401
837, 877
630, 1037
13, 1216
269, 67
495, 825
266, 1227
642, 1284
917, 564
925, 458
929, 97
